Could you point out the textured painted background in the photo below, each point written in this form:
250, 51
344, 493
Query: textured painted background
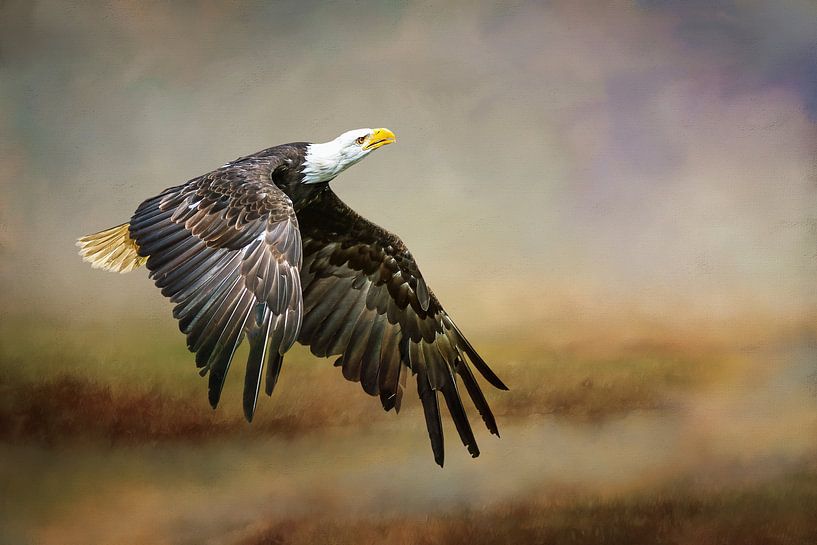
573, 178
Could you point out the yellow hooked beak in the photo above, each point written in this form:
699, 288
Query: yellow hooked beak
378, 138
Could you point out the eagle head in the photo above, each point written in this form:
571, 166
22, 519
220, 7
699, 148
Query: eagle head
326, 160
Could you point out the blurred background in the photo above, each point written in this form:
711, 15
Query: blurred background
616, 201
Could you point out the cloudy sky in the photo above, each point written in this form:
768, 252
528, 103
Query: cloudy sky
560, 164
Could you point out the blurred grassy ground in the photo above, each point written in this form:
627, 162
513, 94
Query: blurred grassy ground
94, 380
778, 512
106, 436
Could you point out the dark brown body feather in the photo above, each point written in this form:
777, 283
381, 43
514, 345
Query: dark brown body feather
249, 250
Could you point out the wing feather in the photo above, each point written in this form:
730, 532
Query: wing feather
226, 249
366, 301
257, 334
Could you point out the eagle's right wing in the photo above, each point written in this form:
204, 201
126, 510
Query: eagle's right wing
366, 301
225, 247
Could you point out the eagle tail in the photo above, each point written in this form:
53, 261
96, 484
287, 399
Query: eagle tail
112, 249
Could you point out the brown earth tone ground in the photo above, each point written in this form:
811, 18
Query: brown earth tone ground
648, 442
778, 512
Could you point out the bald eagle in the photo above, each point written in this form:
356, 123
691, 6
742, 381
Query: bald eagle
263, 247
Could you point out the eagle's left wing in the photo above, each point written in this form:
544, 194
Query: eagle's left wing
366, 301
225, 247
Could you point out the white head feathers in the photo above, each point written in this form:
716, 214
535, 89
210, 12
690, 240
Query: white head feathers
325, 161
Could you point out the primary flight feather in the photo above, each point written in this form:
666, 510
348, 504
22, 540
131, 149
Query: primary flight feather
263, 248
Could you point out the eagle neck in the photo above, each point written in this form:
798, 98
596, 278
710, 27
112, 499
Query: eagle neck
324, 161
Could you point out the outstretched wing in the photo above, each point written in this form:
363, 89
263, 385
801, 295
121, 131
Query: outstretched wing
225, 248
365, 300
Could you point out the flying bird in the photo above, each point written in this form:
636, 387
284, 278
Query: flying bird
263, 248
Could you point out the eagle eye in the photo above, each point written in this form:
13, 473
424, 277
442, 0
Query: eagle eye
360, 139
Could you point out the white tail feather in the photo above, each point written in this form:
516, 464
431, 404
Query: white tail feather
111, 249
